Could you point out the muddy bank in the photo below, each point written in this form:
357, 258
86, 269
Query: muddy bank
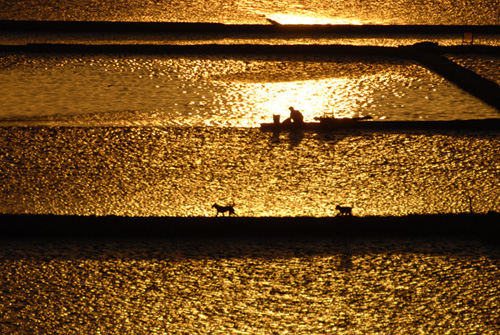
470, 225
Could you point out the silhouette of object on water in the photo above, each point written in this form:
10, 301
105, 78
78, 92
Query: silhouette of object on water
224, 209
295, 118
344, 210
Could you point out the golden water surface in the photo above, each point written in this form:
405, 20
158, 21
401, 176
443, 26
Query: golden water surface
433, 12
155, 171
353, 286
158, 90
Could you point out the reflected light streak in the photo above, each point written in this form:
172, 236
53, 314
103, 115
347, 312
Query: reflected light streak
309, 19
334, 96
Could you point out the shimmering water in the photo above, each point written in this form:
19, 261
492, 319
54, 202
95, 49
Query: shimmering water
354, 12
486, 67
157, 171
155, 135
223, 91
356, 286
437, 12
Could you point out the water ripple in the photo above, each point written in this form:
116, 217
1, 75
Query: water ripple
152, 171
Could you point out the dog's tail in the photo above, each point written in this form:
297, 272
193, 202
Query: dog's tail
232, 206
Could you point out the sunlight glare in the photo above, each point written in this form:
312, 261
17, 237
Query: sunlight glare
312, 97
308, 19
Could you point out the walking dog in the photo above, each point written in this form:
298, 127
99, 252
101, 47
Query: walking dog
344, 210
224, 209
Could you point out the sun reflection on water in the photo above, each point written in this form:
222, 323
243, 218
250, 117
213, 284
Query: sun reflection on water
241, 91
311, 18
312, 97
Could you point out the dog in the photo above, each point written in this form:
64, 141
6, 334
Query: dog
344, 210
224, 209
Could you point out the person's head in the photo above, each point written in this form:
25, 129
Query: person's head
291, 109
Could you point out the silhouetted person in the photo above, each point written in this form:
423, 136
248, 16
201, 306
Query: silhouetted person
296, 117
